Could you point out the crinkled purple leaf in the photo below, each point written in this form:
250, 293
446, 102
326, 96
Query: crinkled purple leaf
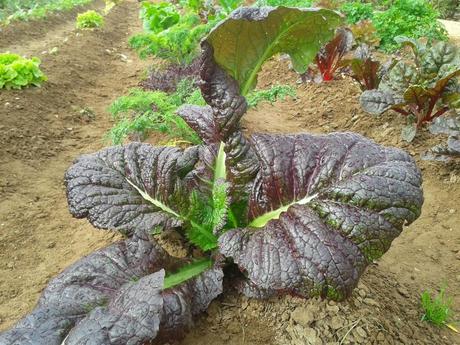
106, 186
219, 122
90, 282
186, 300
166, 78
349, 199
131, 317
115, 296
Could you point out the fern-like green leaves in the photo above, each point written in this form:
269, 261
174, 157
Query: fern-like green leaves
208, 212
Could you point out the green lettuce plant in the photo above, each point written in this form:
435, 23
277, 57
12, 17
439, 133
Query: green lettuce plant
17, 72
157, 17
89, 20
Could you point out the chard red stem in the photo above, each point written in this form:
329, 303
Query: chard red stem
438, 113
428, 116
401, 111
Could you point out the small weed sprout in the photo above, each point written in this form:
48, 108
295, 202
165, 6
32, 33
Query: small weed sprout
89, 20
276, 92
437, 309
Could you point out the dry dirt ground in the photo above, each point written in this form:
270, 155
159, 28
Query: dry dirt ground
42, 130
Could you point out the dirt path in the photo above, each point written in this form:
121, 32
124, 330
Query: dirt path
453, 28
42, 131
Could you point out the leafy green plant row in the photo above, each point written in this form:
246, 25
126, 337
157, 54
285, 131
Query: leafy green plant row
173, 31
389, 19
11, 10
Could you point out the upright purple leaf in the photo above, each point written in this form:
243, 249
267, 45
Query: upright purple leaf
220, 122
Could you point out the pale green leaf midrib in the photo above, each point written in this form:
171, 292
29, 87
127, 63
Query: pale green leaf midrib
262, 220
154, 201
220, 169
186, 273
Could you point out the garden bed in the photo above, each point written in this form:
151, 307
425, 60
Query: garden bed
44, 129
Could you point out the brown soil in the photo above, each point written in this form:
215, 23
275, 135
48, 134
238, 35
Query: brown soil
453, 28
43, 131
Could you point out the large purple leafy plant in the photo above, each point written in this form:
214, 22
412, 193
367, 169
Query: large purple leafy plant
297, 214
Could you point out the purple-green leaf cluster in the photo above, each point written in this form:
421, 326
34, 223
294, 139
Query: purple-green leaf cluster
366, 70
450, 150
424, 88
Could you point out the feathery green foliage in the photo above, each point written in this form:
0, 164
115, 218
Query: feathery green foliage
141, 112
208, 213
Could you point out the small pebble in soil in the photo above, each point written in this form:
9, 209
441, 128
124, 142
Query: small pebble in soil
361, 332
403, 291
303, 316
51, 245
370, 301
